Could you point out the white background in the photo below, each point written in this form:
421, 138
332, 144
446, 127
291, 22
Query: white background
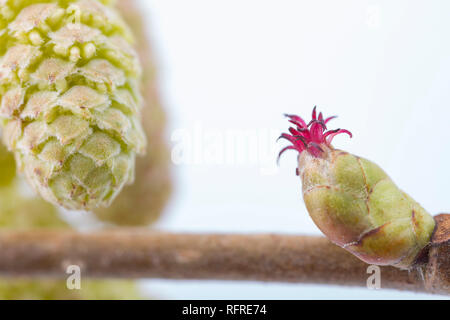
382, 66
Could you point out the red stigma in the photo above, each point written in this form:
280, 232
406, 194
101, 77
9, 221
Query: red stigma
310, 136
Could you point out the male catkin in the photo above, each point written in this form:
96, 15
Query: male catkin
353, 201
70, 101
33, 213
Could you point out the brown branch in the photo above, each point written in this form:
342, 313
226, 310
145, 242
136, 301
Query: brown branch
137, 253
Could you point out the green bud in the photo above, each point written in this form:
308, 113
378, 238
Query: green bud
49, 289
354, 202
26, 213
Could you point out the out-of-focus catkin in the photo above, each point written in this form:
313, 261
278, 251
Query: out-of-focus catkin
19, 212
143, 202
70, 100
52, 289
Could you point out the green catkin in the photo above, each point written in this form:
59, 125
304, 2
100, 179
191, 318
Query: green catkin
26, 213
354, 202
70, 100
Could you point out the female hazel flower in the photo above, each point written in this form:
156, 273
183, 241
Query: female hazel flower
70, 101
353, 201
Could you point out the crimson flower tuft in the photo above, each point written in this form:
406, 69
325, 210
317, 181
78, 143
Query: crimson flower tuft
309, 137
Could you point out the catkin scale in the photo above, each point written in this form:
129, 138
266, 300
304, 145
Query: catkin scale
70, 100
354, 202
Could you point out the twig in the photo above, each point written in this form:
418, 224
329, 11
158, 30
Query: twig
137, 253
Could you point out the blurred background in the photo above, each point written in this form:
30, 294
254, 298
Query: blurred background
227, 72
